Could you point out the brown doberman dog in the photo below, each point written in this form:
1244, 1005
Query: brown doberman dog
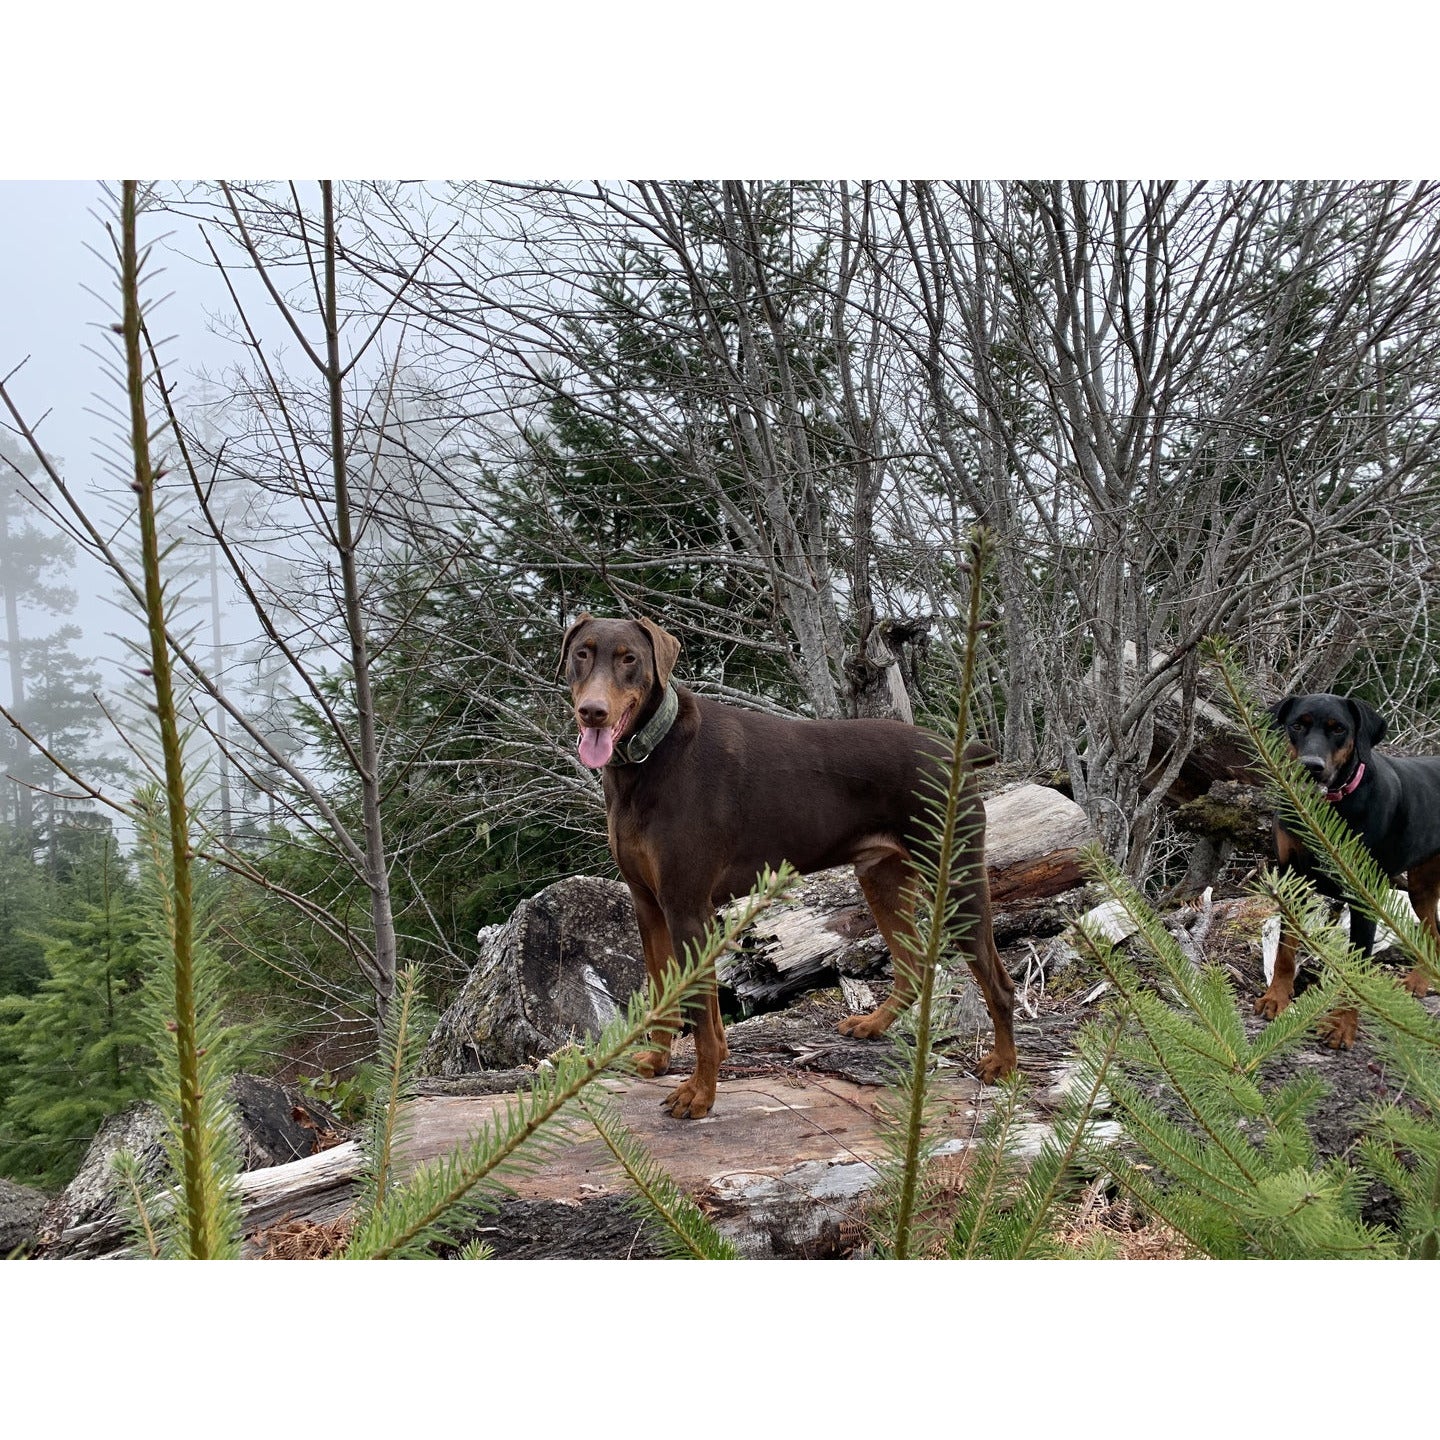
1392, 802
701, 796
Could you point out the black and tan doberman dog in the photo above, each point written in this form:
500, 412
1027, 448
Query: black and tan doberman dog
1391, 802
700, 796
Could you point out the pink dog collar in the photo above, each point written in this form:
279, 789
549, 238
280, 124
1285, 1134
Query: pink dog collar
1349, 787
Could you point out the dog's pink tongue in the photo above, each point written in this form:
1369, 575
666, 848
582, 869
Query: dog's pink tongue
596, 747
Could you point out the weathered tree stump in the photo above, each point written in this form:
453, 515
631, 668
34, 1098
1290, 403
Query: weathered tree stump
1231, 819
560, 967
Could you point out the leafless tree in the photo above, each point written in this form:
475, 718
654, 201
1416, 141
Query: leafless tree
1187, 410
771, 413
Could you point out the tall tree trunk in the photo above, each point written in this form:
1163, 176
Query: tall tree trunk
377, 870
24, 800
217, 663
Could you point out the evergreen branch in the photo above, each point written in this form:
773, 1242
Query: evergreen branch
133, 1202
385, 1125
1157, 1024
202, 1180
1181, 1153
1180, 973
1069, 1138
936, 873
687, 1230
988, 1180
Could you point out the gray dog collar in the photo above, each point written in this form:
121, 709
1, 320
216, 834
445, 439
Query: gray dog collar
637, 748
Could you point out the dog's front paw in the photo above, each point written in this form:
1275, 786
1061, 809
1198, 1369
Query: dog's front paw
1338, 1028
691, 1101
995, 1066
866, 1027
1271, 1003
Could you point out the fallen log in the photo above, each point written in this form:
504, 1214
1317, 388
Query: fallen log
781, 1166
1033, 839
784, 1164
823, 932
273, 1123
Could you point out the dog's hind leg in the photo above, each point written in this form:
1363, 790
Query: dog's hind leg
1424, 882
886, 881
1339, 1028
994, 980
973, 934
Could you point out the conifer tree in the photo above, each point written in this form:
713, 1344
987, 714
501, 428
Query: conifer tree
75, 1051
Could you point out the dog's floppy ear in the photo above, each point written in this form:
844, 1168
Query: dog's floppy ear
667, 649
1279, 712
579, 620
1369, 726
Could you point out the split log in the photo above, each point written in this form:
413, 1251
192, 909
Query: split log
781, 1166
1033, 839
318, 1188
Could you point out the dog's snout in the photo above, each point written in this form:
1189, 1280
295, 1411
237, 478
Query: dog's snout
594, 713
1315, 764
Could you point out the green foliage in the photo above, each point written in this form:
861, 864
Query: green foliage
1238, 1172
400, 1047
183, 992
25, 904
1009, 1206
75, 1050
904, 1195
197, 1214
